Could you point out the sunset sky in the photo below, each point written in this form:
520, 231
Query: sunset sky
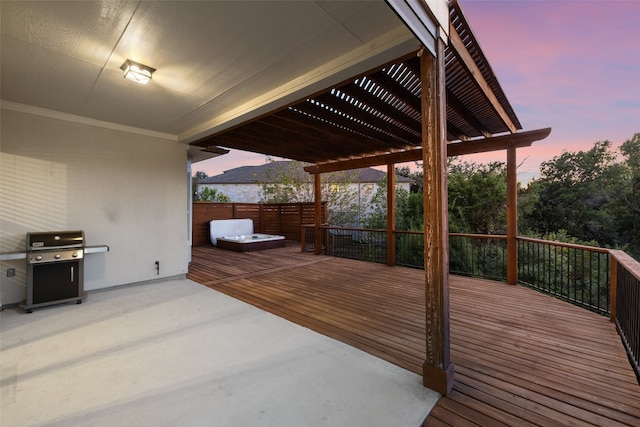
573, 66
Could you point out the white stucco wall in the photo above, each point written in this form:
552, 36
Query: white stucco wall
239, 193
250, 193
123, 189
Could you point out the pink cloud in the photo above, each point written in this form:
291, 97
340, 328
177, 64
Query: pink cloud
565, 64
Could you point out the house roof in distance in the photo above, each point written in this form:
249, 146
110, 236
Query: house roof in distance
270, 172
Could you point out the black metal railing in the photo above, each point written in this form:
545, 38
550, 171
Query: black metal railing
409, 249
626, 310
360, 244
343, 242
478, 255
575, 273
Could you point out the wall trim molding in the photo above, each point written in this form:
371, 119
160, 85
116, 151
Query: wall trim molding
58, 115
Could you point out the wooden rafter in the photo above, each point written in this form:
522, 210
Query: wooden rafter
454, 103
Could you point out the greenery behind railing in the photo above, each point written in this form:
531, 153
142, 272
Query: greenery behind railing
575, 273
482, 256
410, 249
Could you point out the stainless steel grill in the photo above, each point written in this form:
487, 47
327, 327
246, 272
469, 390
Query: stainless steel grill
55, 268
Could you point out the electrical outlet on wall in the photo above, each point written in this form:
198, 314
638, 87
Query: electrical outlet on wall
11, 272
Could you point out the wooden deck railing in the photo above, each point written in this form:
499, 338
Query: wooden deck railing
625, 304
597, 279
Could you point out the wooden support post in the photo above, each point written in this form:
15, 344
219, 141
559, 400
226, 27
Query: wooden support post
613, 288
512, 218
318, 213
391, 215
437, 368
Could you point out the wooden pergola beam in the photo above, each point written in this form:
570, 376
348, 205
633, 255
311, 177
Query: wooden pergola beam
495, 143
503, 142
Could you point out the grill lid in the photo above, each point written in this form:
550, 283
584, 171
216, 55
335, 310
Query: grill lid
55, 239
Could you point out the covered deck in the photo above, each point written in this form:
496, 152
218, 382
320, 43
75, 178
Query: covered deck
521, 357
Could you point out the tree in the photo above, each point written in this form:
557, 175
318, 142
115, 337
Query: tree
477, 197
626, 203
574, 194
195, 181
377, 217
213, 195
417, 176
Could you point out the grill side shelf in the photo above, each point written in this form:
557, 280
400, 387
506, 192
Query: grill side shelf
10, 256
95, 249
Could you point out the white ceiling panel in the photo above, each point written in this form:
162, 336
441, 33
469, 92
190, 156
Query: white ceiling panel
365, 20
85, 30
36, 76
212, 57
217, 45
116, 99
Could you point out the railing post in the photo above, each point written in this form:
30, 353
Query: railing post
613, 287
318, 213
302, 237
391, 215
300, 216
512, 218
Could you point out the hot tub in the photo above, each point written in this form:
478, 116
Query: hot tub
250, 242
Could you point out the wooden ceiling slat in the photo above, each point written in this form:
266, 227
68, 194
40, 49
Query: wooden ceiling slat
331, 134
261, 138
396, 89
362, 114
356, 128
257, 147
413, 64
463, 111
453, 133
295, 129
384, 108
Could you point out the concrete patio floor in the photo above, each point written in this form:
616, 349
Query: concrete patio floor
177, 353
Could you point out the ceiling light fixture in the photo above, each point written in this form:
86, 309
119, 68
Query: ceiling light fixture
137, 72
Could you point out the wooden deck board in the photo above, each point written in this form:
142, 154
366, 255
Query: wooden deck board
521, 358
